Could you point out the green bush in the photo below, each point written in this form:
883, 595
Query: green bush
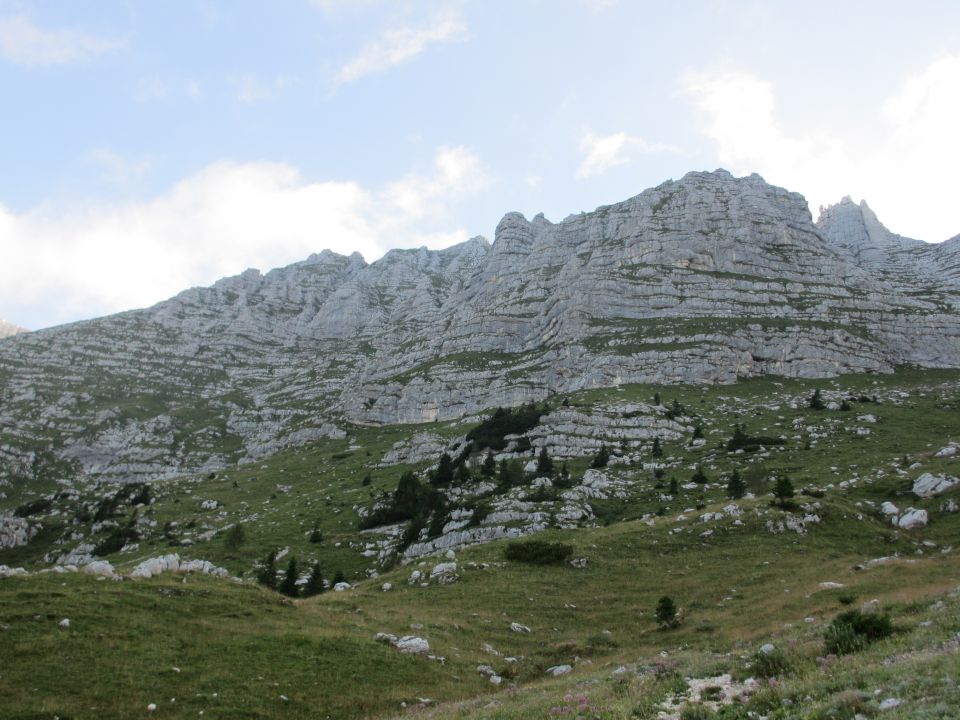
666, 613
696, 712
539, 552
34, 507
772, 664
853, 630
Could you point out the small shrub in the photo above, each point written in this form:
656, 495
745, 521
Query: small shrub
769, 665
696, 712
601, 458
816, 401
35, 507
853, 630
539, 552
666, 613
235, 537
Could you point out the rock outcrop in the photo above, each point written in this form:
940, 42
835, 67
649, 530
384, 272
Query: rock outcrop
706, 279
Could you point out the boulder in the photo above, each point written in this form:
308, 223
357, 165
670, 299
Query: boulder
912, 519
101, 568
930, 485
412, 645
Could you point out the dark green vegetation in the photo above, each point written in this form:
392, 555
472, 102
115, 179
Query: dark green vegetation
538, 552
239, 648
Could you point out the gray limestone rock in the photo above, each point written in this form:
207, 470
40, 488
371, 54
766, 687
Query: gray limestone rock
706, 279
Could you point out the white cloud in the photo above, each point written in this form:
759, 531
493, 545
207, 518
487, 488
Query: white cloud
456, 173
64, 264
397, 45
252, 89
23, 43
606, 151
533, 181
902, 163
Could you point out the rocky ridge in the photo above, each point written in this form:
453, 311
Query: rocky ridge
706, 279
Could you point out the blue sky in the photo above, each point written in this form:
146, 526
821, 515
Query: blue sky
150, 146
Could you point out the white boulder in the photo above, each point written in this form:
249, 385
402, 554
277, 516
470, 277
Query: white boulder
412, 645
929, 485
912, 519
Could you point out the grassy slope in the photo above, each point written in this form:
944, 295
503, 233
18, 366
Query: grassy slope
738, 587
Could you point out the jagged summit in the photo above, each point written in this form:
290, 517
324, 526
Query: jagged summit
705, 279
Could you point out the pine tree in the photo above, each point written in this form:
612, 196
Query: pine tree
783, 490
544, 463
443, 475
314, 584
601, 458
674, 487
267, 575
816, 401
700, 476
736, 487
235, 537
339, 577
698, 432
489, 467
289, 585
315, 535
462, 475
656, 399
666, 613
657, 450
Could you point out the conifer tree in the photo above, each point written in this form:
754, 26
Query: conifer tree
666, 613
489, 467
544, 463
235, 537
783, 490
443, 475
267, 575
314, 584
289, 585
657, 450
736, 487
601, 458
816, 401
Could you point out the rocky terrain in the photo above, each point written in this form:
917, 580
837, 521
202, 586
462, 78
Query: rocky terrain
703, 280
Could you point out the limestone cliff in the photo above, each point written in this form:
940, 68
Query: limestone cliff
702, 280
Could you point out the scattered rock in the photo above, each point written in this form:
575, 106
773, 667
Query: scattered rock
930, 485
911, 519
412, 645
64, 624
518, 628
558, 670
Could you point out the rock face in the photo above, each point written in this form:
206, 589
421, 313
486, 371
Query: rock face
703, 280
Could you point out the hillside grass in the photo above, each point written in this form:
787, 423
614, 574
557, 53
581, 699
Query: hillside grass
239, 647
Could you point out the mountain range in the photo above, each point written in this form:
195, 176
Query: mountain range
707, 279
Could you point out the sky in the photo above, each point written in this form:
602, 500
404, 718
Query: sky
148, 147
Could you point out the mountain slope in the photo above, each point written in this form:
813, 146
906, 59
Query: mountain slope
703, 280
